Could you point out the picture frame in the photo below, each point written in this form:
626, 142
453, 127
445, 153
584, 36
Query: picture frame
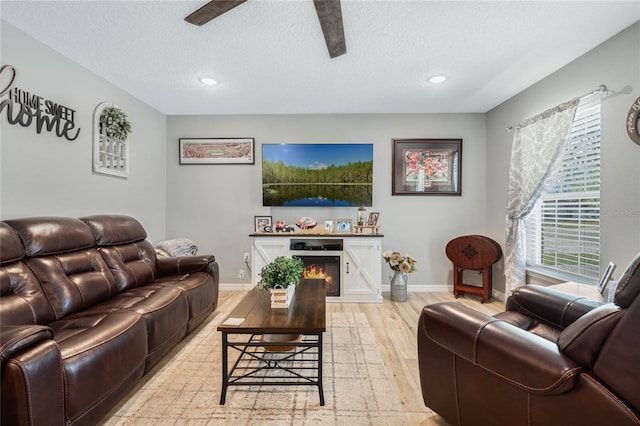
261, 222
427, 167
216, 150
342, 225
373, 219
606, 277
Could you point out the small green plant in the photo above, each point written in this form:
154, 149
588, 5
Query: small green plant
114, 123
281, 272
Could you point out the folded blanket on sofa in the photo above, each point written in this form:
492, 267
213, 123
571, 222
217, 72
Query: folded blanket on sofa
177, 247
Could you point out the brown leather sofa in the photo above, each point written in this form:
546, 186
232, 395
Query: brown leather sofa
86, 309
550, 359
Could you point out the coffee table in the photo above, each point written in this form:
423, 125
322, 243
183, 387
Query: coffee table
257, 366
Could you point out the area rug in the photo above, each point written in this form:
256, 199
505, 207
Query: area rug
186, 388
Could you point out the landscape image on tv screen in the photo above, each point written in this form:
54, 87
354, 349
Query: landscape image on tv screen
320, 175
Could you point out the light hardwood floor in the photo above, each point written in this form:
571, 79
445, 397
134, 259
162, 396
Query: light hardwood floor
395, 327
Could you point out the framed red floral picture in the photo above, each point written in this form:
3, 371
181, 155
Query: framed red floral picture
427, 167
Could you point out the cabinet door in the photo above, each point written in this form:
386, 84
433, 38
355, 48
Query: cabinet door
264, 251
361, 268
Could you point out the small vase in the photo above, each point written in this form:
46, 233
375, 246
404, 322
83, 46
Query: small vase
398, 287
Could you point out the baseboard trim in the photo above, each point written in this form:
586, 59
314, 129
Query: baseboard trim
385, 288
235, 286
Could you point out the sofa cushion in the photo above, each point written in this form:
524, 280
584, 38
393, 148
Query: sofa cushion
531, 324
115, 344
164, 310
22, 300
629, 285
112, 230
617, 364
12, 248
583, 339
74, 281
43, 236
133, 265
200, 291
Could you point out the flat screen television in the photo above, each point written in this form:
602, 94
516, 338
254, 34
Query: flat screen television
318, 175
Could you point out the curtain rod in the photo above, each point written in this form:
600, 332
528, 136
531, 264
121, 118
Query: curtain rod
600, 89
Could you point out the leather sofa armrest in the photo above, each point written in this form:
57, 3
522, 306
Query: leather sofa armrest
549, 305
183, 264
18, 338
32, 390
523, 359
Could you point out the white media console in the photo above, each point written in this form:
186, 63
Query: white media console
358, 258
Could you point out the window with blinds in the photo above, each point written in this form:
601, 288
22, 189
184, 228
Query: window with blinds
563, 231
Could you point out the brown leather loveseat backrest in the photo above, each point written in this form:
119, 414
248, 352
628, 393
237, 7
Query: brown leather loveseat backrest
606, 340
618, 364
122, 243
61, 253
22, 300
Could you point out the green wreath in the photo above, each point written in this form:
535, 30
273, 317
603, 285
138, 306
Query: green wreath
114, 123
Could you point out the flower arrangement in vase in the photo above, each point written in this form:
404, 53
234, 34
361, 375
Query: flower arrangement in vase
405, 264
401, 265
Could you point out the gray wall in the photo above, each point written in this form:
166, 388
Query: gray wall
215, 204
615, 63
42, 174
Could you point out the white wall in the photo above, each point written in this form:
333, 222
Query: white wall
42, 174
615, 63
215, 205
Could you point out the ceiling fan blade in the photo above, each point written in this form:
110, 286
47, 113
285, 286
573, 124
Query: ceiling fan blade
330, 17
212, 10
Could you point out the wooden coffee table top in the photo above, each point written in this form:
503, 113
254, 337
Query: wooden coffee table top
306, 313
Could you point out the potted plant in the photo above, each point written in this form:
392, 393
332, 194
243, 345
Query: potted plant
280, 277
114, 123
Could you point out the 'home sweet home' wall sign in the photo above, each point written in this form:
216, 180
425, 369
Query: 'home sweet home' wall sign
33, 109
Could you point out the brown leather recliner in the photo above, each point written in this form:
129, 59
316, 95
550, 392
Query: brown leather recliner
550, 359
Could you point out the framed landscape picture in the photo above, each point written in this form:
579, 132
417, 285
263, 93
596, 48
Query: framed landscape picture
427, 167
317, 174
217, 151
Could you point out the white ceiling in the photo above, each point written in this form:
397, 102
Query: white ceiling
270, 56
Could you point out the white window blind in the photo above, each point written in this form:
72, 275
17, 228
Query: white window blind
563, 231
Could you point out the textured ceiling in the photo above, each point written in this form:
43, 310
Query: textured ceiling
270, 56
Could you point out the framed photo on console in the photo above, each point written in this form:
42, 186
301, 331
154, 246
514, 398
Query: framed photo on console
373, 219
427, 167
263, 223
342, 225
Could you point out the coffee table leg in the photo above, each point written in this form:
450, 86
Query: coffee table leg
225, 372
320, 390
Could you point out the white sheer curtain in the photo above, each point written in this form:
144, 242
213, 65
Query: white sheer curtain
535, 160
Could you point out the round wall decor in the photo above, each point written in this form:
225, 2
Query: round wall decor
633, 122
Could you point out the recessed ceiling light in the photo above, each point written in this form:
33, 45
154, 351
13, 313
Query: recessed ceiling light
208, 81
437, 79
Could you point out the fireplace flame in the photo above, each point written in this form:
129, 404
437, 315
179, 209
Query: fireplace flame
312, 271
